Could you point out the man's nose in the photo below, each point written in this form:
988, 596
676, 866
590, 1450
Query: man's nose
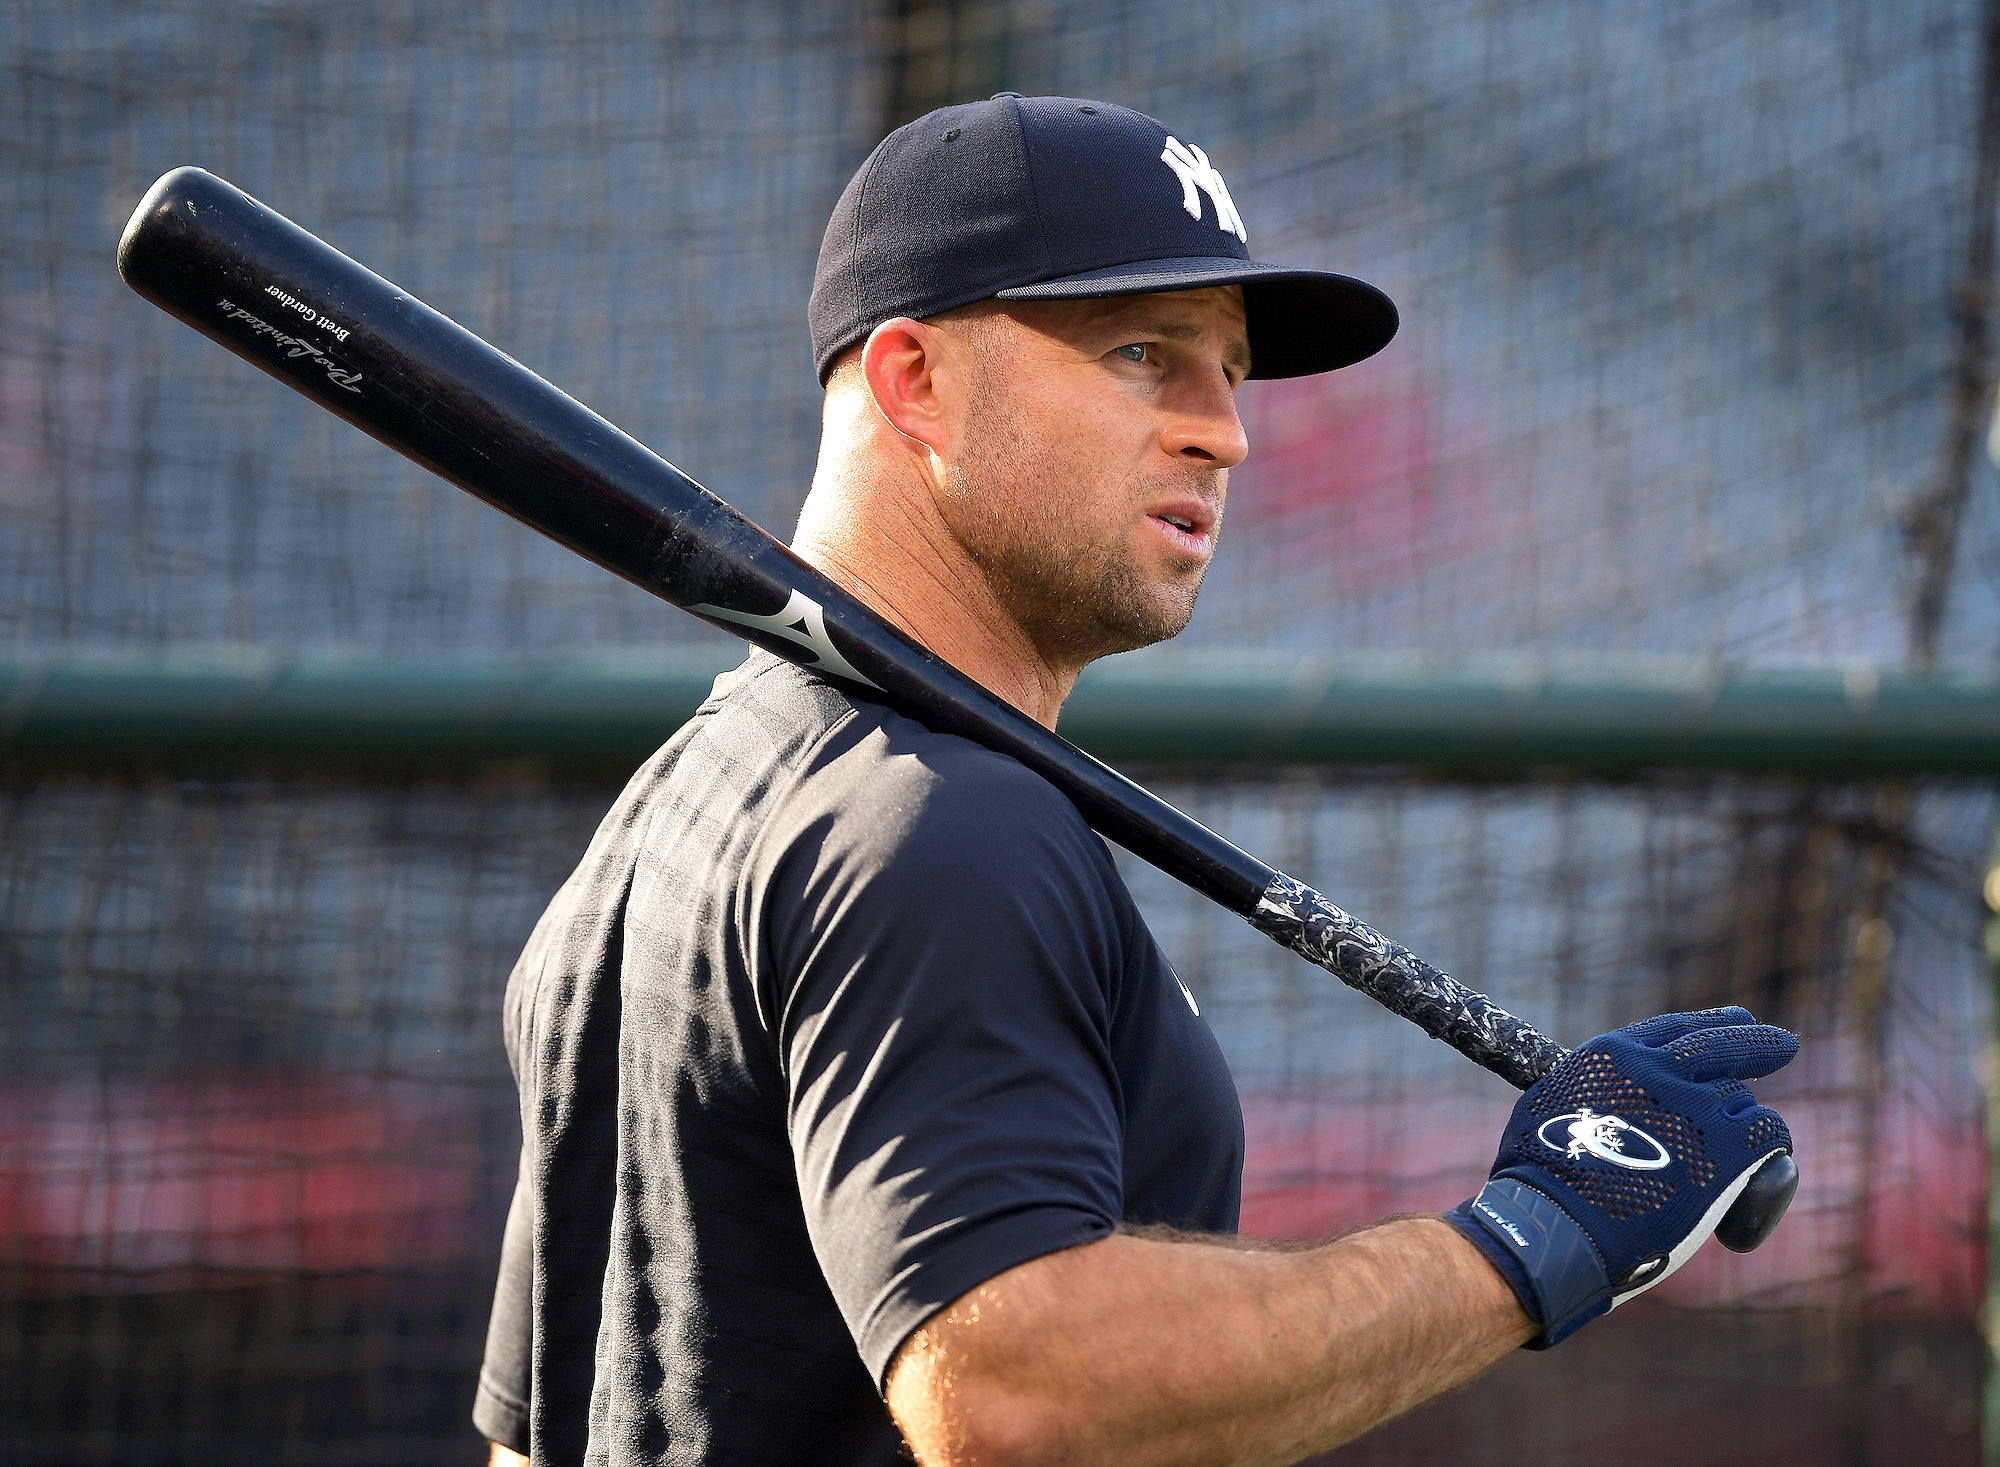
1204, 425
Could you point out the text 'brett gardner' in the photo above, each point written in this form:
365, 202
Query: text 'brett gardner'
313, 317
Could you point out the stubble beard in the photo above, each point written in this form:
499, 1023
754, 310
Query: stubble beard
1077, 600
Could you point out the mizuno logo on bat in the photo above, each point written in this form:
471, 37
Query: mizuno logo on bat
1608, 1138
801, 622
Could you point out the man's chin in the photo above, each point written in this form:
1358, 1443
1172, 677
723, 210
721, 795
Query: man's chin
1121, 612
1157, 624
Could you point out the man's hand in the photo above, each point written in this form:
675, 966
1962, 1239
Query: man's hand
1146, 1350
1618, 1163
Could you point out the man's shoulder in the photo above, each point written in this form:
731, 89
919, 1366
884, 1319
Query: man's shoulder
829, 774
901, 774
777, 744
768, 704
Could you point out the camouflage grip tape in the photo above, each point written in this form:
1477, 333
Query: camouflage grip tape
1296, 916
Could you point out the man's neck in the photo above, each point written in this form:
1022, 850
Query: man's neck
875, 531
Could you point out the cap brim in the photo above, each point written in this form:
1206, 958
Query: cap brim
1301, 321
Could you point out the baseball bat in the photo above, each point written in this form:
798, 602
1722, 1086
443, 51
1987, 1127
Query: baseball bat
369, 351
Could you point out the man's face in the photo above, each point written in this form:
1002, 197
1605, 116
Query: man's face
1093, 459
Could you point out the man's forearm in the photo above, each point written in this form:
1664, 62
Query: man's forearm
1149, 1351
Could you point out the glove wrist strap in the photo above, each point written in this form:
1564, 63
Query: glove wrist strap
1534, 1242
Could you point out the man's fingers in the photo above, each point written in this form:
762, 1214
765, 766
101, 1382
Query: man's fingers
1735, 1052
1659, 1032
1719, 1043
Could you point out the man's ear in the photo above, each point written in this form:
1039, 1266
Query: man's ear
905, 364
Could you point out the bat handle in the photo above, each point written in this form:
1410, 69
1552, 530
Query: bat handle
1293, 914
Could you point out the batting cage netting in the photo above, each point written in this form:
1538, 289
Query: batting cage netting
1695, 364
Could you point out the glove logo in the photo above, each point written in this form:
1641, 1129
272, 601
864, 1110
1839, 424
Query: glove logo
1605, 1137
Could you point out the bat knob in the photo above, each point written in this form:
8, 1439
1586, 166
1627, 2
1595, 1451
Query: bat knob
1756, 1210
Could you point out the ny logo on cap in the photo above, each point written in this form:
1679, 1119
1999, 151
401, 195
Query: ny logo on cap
1192, 168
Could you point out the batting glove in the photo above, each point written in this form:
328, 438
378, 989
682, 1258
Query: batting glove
1619, 1162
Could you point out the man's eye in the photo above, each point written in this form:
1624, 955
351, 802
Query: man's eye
1136, 352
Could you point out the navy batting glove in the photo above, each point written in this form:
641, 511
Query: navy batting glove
1619, 1162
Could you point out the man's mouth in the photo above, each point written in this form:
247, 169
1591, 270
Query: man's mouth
1189, 532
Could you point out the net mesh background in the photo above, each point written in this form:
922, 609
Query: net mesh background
1683, 292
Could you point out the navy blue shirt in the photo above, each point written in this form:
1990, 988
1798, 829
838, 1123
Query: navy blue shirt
838, 1018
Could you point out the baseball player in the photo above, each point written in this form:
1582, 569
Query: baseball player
861, 1114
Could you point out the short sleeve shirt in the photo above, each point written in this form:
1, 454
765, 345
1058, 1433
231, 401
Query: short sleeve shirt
839, 1018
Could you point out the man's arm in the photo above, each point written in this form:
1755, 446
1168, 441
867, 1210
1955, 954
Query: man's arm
1141, 1350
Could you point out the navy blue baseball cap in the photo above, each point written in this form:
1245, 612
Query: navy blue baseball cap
1062, 198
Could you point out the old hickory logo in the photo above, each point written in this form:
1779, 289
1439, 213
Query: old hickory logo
1608, 1138
1192, 168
